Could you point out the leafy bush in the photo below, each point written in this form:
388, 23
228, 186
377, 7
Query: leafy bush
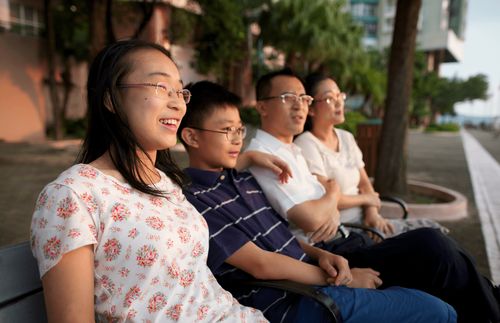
450, 126
75, 128
352, 118
250, 116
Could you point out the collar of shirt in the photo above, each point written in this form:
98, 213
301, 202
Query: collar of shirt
207, 177
274, 144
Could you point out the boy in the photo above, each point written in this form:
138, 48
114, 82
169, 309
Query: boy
249, 239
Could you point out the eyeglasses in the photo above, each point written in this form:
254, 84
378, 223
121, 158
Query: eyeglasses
162, 90
290, 98
333, 98
232, 133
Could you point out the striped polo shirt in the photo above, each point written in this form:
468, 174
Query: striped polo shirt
237, 211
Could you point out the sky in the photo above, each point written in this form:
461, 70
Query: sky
481, 55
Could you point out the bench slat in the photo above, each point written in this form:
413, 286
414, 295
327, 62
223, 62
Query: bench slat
29, 309
18, 272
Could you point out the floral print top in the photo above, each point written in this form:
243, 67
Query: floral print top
150, 253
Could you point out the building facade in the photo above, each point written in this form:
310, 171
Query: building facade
25, 107
441, 27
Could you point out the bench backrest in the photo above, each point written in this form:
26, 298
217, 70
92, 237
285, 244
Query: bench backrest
21, 295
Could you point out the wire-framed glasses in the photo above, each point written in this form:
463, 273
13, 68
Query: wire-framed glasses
162, 90
290, 98
232, 133
333, 98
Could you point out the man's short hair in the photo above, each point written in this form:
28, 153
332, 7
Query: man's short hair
263, 87
206, 96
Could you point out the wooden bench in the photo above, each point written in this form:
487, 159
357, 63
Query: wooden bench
21, 294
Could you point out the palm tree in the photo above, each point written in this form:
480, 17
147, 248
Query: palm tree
312, 34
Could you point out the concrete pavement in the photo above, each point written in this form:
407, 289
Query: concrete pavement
485, 174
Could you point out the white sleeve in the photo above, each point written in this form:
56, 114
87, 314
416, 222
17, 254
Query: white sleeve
61, 223
282, 197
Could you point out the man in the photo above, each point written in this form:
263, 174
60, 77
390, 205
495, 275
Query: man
249, 239
423, 258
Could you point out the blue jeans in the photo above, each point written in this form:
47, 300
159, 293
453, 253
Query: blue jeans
394, 304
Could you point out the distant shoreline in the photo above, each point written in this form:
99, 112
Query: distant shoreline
465, 119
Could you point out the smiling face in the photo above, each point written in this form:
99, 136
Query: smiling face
328, 106
213, 150
152, 118
283, 120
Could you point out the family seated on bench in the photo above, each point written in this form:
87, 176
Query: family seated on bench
248, 237
115, 237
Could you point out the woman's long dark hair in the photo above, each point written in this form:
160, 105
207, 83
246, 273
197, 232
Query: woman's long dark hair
310, 84
110, 131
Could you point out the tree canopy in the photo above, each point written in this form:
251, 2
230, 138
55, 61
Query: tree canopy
317, 33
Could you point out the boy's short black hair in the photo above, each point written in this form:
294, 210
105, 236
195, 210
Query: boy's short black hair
206, 96
263, 87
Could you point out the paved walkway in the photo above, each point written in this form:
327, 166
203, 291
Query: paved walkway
485, 176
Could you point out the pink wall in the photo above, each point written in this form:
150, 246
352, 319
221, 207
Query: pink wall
22, 102
25, 107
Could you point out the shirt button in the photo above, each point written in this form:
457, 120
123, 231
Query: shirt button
222, 177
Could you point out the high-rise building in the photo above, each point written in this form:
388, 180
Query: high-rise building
441, 27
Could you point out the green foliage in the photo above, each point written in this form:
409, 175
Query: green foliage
352, 119
312, 31
71, 20
450, 127
451, 91
75, 128
434, 94
182, 26
221, 34
250, 116
366, 75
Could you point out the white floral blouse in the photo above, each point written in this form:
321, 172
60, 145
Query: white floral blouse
150, 252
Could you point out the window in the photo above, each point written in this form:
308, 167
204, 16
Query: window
364, 10
371, 30
24, 20
388, 25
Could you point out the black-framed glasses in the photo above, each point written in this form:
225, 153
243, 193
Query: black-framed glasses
333, 98
290, 98
162, 90
232, 133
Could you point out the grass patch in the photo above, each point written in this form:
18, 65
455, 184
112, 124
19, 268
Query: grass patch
448, 127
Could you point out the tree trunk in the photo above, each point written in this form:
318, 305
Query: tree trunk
110, 33
242, 74
390, 175
51, 66
67, 84
291, 60
148, 10
98, 26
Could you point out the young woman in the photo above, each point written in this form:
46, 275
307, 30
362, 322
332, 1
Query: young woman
333, 153
114, 236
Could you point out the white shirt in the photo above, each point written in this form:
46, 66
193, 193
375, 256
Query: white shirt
302, 187
342, 166
150, 253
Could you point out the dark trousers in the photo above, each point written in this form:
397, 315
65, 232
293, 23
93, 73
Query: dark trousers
427, 260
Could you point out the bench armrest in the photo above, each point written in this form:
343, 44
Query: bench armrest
363, 227
300, 289
400, 202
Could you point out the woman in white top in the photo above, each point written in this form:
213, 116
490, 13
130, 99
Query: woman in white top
114, 236
333, 153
